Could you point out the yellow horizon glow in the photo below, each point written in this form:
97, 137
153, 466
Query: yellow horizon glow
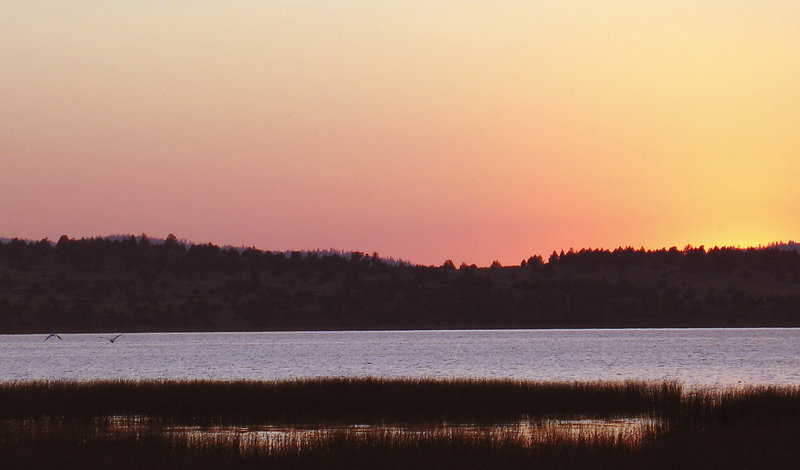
421, 130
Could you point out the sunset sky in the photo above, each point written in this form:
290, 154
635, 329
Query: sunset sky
423, 130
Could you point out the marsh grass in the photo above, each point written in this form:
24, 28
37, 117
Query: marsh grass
367, 400
388, 424
744, 406
83, 447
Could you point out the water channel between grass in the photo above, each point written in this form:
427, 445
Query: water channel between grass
622, 430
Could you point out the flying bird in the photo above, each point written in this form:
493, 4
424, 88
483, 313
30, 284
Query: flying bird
114, 338
53, 334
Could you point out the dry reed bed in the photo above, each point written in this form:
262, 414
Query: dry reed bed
366, 400
77, 425
719, 448
86, 448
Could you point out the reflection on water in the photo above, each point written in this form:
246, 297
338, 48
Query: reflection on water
624, 431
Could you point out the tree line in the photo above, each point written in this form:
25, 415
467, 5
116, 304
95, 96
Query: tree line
139, 284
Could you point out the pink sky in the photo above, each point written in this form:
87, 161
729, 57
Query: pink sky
433, 130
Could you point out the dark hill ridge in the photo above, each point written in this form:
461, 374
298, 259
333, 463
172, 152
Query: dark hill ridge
132, 284
186, 244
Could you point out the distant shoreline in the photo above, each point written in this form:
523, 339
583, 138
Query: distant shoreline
455, 330
133, 285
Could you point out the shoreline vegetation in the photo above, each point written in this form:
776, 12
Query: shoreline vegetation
337, 400
392, 423
133, 284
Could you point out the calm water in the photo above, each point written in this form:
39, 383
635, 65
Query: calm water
714, 357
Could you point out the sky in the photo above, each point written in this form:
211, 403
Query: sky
421, 130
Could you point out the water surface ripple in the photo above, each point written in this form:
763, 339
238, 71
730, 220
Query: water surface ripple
704, 357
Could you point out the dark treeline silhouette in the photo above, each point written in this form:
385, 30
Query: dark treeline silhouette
133, 284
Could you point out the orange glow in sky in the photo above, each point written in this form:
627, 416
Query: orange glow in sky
422, 130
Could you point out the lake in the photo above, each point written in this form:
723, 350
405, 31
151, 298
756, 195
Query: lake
697, 357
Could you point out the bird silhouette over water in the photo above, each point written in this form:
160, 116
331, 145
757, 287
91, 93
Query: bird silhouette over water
112, 339
52, 335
